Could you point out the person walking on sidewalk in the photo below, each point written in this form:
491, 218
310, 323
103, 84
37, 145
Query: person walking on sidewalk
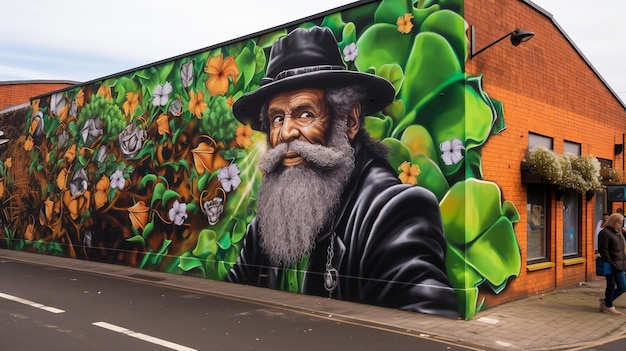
611, 246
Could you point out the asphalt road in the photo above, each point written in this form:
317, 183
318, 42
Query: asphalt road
60, 309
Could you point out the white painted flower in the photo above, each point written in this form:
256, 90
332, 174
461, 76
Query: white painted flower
161, 94
92, 130
78, 184
229, 177
117, 180
452, 151
213, 210
102, 153
178, 212
350, 52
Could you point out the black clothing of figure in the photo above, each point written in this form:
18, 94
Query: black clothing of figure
389, 248
611, 248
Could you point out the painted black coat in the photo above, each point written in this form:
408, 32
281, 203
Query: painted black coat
389, 248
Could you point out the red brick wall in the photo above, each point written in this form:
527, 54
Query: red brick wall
546, 88
19, 92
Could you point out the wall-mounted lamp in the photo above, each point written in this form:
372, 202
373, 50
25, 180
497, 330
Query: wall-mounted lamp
518, 36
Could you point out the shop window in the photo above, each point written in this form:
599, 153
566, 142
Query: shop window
537, 206
571, 220
537, 239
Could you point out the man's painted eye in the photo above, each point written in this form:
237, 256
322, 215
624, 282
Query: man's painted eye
278, 119
306, 114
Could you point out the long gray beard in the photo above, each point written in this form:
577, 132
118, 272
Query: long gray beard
296, 203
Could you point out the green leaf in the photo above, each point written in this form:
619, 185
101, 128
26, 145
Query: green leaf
419, 142
395, 110
335, 23
431, 63
469, 209
389, 10
431, 177
168, 195
137, 239
510, 211
239, 230
145, 179
187, 263
398, 152
393, 73
496, 254
192, 207
224, 243
203, 180
382, 44
246, 61
378, 128
206, 244
452, 27
148, 229
157, 193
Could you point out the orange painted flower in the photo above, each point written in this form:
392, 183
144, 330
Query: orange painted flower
1, 189
77, 205
62, 179
163, 125
409, 173
139, 215
206, 158
28, 232
28, 144
102, 191
197, 104
80, 98
131, 103
8, 163
70, 154
219, 71
243, 136
49, 209
404, 23
105, 91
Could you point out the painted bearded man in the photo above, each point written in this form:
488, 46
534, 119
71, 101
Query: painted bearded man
333, 219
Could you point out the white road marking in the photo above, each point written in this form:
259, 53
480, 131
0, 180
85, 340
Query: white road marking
143, 337
31, 303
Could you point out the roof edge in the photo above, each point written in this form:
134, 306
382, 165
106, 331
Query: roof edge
15, 108
39, 81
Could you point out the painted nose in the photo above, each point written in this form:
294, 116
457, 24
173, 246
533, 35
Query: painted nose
289, 130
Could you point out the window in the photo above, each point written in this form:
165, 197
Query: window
537, 207
539, 140
571, 211
537, 229
571, 147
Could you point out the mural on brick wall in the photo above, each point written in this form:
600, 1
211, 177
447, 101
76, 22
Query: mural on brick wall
340, 157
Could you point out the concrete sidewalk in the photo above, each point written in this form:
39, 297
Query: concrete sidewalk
567, 319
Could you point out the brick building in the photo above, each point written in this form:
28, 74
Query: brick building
20, 91
552, 94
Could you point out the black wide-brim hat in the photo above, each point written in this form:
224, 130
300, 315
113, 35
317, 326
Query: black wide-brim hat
309, 58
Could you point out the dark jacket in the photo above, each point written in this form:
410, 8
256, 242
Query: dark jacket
389, 248
611, 248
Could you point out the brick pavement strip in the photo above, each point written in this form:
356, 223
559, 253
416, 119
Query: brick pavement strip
560, 320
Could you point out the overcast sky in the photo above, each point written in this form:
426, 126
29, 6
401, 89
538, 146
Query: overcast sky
85, 40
